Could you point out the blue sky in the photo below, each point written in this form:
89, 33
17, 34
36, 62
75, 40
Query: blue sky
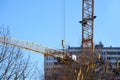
41, 21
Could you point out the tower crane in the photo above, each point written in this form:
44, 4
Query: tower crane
87, 44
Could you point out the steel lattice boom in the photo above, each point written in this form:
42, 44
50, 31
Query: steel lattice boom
32, 47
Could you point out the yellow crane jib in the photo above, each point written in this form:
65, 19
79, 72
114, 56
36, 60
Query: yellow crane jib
37, 48
30, 46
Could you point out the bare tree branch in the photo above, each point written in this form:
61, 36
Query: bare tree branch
13, 64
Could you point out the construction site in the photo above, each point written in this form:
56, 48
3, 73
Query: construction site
88, 61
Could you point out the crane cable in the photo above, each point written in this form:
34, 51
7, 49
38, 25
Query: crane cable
63, 24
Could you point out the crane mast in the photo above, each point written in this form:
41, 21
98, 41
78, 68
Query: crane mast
87, 25
87, 47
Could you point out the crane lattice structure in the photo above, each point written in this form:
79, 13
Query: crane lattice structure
32, 47
87, 41
87, 25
